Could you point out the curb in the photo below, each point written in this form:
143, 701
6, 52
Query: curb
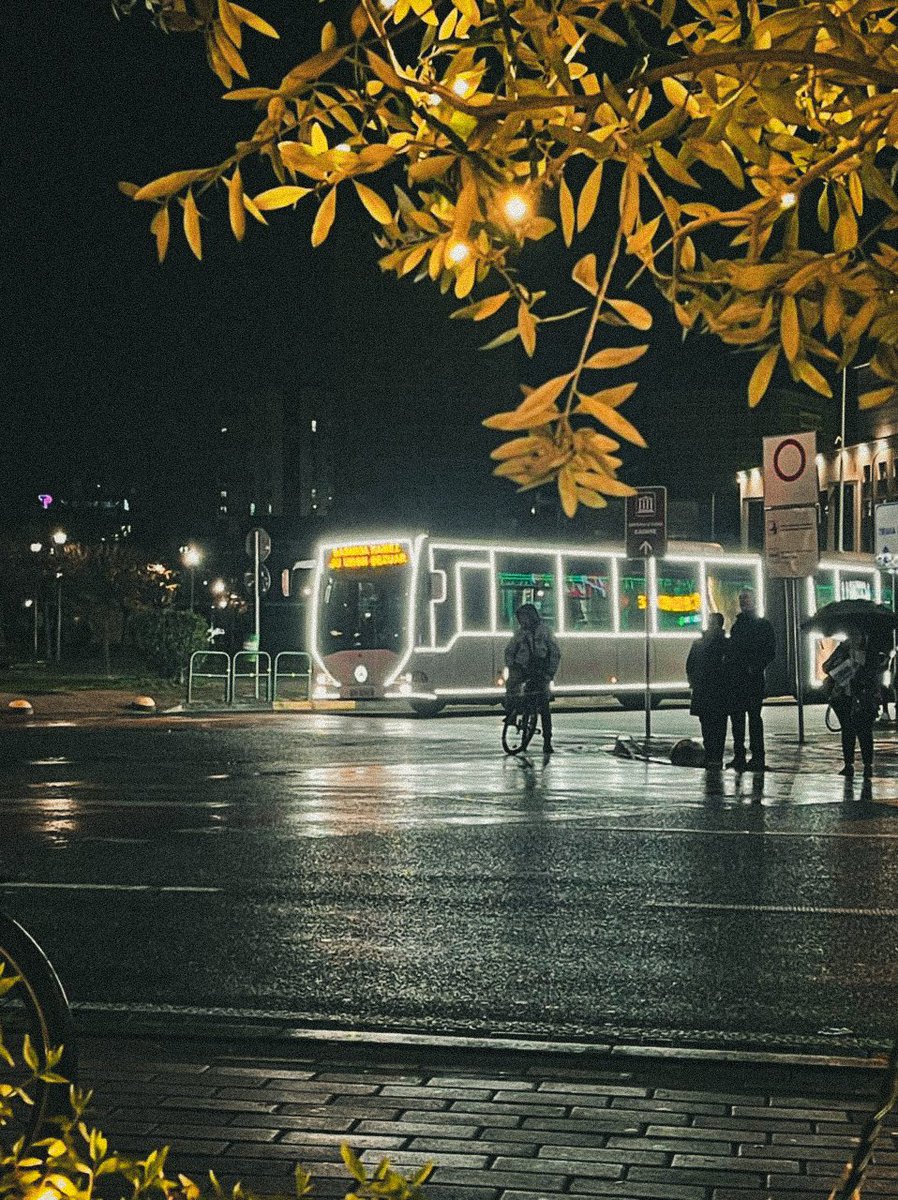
93, 1021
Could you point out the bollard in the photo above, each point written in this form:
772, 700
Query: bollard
20, 708
145, 704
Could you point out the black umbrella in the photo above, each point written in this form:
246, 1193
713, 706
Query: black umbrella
843, 616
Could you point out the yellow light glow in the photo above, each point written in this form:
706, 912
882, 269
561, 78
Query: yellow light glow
516, 208
674, 604
458, 252
359, 558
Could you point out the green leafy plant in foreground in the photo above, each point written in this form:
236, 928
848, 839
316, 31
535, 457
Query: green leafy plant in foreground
74, 1161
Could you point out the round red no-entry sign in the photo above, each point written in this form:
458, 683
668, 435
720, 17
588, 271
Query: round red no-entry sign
789, 460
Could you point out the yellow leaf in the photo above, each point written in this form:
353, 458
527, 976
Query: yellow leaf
527, 329
876, 398
229, 51
590, 499
811, 376
673, 167
160, 228
761, 375
324, 218
845, 232
642, 238
512, 421
605, 359
567, 490
167, 185
823, 210
603, 482
431, 167
629, 200
128, 189
280, 197
490, 306
385, 72
544, 395
376, 205
833, 311
613, 397
359, 22
566, 209
790, 331
586, 204
329, 36
634, 314
519, 446
856, 192
465, 279
254, 22
687, 254
584, 273
192, 225
230, 22
236, 211
217, 60
250, 93
250, 207
679, 97
611, 419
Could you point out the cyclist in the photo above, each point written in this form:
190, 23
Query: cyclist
532, 657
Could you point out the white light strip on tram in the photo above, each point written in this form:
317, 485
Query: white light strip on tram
313, 620
560, 613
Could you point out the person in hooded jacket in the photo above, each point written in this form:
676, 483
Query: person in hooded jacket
708, 681
532, 656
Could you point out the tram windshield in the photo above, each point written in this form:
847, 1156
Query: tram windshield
364, 609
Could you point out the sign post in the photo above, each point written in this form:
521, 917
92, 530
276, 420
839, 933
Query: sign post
646, 538
258, 547
791, 548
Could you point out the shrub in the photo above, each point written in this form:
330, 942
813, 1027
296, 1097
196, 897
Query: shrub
166, 638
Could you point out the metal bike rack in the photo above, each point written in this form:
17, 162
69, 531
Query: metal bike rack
305, 674
261, 672
193, 673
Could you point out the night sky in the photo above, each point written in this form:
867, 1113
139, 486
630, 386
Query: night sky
113, 363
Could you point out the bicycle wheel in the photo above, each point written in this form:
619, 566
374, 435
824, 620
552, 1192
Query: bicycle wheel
518, 730
35, 1006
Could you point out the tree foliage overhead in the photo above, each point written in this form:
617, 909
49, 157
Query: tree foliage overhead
740, 154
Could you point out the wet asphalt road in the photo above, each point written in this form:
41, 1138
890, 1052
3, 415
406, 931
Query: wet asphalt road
387, 871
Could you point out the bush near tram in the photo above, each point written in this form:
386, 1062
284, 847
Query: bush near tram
166, 638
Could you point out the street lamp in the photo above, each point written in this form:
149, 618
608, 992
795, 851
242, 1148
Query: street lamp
191, 558
59, 538
35, 548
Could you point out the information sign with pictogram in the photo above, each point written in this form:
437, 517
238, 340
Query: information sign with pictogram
646, 523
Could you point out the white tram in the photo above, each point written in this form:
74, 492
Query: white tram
423, 620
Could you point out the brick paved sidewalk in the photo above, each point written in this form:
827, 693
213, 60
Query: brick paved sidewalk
499, 1127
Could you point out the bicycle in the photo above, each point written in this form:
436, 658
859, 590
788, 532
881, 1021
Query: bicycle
36, 1038
519, 726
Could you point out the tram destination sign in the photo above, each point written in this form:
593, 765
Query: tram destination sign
367, 556
646, 523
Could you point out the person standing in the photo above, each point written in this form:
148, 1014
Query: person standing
750, 650
855, 668
707, 679
532, 656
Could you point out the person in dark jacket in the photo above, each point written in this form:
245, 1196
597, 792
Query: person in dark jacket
750, 650
707, 678
855, 669
532, 656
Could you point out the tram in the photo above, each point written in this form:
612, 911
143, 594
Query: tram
422, 620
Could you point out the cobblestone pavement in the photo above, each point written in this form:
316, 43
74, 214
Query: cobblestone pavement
498, 1126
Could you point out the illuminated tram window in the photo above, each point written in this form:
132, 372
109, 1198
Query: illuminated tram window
529, 580
588, 596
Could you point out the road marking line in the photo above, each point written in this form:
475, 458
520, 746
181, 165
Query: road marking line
105, 887
811, 909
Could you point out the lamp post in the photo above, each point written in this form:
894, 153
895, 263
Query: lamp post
36, 548
191, 558
59, 539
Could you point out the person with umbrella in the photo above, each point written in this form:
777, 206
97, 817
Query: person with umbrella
855, 671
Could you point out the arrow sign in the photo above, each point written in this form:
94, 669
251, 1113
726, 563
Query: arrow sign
646, 523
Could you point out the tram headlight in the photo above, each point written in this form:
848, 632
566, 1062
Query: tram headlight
360, 674
322, 679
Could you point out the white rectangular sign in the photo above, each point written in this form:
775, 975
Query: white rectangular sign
790, 471
887, 535
790, 542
